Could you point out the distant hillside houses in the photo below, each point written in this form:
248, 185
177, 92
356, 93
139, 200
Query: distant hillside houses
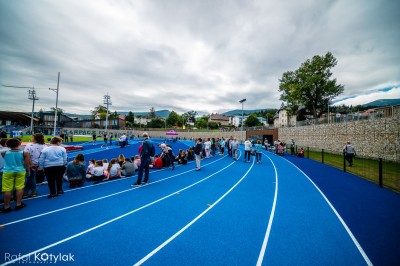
283, 119
235, 121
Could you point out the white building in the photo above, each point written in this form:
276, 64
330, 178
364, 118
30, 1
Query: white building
282, 119
236, 121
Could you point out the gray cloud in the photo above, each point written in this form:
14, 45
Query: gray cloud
188, 55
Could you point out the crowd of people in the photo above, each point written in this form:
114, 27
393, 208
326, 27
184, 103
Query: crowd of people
20, 168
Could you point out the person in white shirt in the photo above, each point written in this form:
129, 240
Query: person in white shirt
53, 160
207, 147
349, 153
122, 141
247, 150
35, 149
234, 145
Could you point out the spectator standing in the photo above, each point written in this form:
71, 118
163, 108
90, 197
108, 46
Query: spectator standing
105, 138
258, 148
145, 160
247, 150
94, 137
53, 160
16, 165
198, 152
292, 146
3, 147
349, 153
111, 138
207, 147
234, 146
34, 149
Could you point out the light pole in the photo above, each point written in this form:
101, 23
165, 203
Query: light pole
107, 102
55, 113
31, 96
242, 101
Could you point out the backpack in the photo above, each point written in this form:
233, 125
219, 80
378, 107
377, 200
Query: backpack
152, 150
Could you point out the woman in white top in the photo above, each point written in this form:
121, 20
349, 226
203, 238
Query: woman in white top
53, 160
207, 147
35, 149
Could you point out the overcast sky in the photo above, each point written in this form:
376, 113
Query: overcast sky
191, 55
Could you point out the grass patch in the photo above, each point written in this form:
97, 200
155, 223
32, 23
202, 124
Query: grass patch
363, 167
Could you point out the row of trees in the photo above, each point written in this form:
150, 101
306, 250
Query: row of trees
188, 119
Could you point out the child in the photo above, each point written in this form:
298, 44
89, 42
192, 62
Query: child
98, 172
113, 169
17, 164
258, 148
137, 161
89, 171
105, 165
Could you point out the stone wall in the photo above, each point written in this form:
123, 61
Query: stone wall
376, 138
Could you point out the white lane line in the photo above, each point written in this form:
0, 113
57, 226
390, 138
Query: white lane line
22, 257
148, 256
100, 198
353, 238
271, 218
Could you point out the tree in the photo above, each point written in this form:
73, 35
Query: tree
156, 123
173, 119
252, 121
202, 122
114, 115
102, 110
189, 116
311, 85
152, 113
130, 117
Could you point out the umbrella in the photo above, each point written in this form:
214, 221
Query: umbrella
172, 133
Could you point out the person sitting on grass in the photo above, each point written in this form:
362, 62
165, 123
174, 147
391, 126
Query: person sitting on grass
17, 164
301, 153
76, 171
113, 169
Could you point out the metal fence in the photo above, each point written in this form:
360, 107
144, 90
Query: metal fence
380, 171
371, 114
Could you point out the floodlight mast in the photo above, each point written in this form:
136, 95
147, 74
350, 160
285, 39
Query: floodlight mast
107, 102
31, 96
242, 101
55, 113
